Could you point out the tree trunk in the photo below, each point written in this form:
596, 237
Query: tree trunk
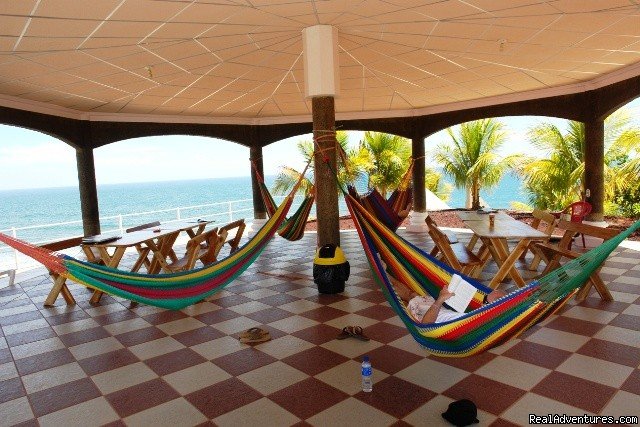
475, 194
325, 180
469, 201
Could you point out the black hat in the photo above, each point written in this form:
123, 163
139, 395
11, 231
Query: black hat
461, 413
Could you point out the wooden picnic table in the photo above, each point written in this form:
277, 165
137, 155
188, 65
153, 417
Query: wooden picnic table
482, 216
495, 240
157, 240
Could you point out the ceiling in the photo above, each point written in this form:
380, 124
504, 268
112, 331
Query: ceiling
241, 61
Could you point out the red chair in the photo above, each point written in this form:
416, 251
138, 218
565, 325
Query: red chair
578, 212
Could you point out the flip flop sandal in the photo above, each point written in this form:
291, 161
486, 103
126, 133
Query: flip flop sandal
256, 336
347, 332
359, 334
249, 332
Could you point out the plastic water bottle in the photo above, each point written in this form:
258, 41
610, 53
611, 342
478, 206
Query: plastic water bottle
367, 375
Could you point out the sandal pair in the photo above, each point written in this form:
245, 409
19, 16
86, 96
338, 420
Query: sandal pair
254, 335
354, 332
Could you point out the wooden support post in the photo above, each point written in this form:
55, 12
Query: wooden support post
594, 168
88, 191
255, 155
419, 191
418, 214
325, 180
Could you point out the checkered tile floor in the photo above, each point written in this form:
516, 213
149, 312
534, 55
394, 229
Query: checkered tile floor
115, 364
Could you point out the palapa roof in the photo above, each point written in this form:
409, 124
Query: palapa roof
240, 61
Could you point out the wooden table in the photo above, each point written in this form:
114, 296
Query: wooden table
484, 216
156, 240
495, 239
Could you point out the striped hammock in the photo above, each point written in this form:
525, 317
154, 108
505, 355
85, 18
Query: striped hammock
293, 227
173, 291
482, 326
387, 210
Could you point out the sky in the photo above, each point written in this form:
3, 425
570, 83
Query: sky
30, 159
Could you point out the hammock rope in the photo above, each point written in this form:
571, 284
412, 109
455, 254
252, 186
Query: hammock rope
482, 326
172, 291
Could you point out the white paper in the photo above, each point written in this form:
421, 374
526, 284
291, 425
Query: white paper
464, 292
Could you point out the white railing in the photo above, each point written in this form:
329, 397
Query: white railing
219, 212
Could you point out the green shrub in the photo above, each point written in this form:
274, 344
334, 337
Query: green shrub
628, 202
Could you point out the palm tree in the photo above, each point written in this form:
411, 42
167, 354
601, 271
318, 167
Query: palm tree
472, 160
555, 181
384, 157
288, 176
433, 182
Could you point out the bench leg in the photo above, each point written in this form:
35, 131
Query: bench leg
597, 283
59, 286
472, 242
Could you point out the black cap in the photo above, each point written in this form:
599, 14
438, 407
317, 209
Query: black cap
461, 413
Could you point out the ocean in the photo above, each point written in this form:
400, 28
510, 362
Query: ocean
34, 207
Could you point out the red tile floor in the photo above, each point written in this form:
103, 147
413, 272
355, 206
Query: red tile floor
115, 364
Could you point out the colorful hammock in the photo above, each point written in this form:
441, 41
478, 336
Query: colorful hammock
387, 210
293, 227
483, 326
173, 291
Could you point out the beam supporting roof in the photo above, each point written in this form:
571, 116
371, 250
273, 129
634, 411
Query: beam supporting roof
79, 133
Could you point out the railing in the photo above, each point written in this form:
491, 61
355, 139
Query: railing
220, 212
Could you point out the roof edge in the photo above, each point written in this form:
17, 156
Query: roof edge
579, 87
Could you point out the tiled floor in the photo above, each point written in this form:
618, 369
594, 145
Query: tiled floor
115, 364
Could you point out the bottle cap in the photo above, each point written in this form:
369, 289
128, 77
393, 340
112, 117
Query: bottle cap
365, 359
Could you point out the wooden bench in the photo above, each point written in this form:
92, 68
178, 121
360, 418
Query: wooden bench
233, 239
553, 254
456, 255
204, 247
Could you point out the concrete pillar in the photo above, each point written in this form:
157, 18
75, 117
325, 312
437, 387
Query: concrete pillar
323, 111
594, 168
419, 212
88, 191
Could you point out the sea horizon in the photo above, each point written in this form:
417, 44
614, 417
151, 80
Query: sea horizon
36, 206
24, 211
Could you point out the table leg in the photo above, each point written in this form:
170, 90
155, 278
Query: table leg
200, 229
59, 287
110, 261
162, 248
142, 258
485, 255
508, 260
143, 252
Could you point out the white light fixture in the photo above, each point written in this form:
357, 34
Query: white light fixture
321, 68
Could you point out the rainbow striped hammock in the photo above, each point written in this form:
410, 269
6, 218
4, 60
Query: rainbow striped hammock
483, 326
293, 227
387, 210
173, 291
